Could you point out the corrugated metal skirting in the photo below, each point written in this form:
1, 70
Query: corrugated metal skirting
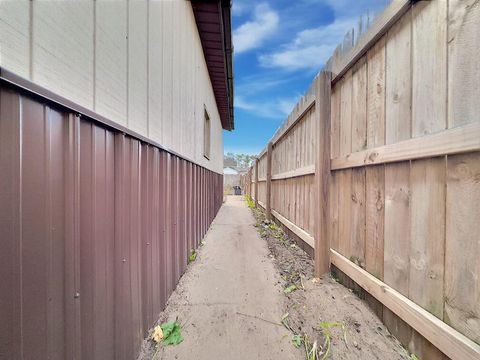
96, 228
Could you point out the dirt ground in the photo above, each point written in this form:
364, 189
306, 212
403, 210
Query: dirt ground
232, 301
322, 308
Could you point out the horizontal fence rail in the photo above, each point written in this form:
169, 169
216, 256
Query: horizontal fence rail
386, 190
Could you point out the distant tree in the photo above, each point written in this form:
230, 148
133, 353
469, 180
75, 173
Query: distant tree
229, 160
239, 161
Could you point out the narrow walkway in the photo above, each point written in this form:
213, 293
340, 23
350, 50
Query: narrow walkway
229, 302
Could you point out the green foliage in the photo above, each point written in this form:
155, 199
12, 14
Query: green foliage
172, 333
297, 341
290, 289
311, 350
250, 202
326, 326
192, 257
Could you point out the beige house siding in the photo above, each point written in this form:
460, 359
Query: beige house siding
139, 63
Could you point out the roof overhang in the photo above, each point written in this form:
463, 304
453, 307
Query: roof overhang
213, 20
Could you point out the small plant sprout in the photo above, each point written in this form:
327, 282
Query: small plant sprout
250, 202
192, 256
166, 334
297, 341
326, 326
284, 321
290, 289
311, 350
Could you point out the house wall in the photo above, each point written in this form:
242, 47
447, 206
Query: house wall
139, 63
96, 228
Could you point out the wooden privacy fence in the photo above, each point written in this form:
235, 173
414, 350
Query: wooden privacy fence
377, 169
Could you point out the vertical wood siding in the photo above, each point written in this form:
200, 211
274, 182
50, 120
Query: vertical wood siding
139, 63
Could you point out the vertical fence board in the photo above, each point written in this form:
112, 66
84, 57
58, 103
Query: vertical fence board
346, 115
375, 227
376, 95
463, 74
429, 67
359, 106
398, 85
462, 266
427, 184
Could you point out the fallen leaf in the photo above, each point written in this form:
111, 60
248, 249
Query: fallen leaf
157, 334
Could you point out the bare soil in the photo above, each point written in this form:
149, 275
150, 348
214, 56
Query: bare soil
357, 334
231, 302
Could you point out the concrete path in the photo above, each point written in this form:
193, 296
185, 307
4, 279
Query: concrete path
228, 301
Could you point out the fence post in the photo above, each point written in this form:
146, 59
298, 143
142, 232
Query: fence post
268, 209
256, 182
322, 171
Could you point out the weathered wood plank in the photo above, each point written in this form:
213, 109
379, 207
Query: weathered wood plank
302, 234
429, 66
462, 253
374, 238
463, 71
346, 115
333, 210
399, 85
397, 242
344, 211
376, 95
268, 195
461, 139
375, 208
321, 188
448, 340
357, 206
359, 105
427, 234
306, 170
341, 63
397, 226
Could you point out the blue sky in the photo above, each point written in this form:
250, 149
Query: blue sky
279, 47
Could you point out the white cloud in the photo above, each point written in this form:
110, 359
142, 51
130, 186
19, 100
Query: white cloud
277, 108
238, 8
310, 49
252, 34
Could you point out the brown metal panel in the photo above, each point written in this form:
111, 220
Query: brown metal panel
155, 236
121, 270
174, 236
162, 251
72, 240
183, 215
10, 226
146, 236
40, 246
57, 135
98, 229
169, 254
190, 207
178, 210
135, 246
97, 241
